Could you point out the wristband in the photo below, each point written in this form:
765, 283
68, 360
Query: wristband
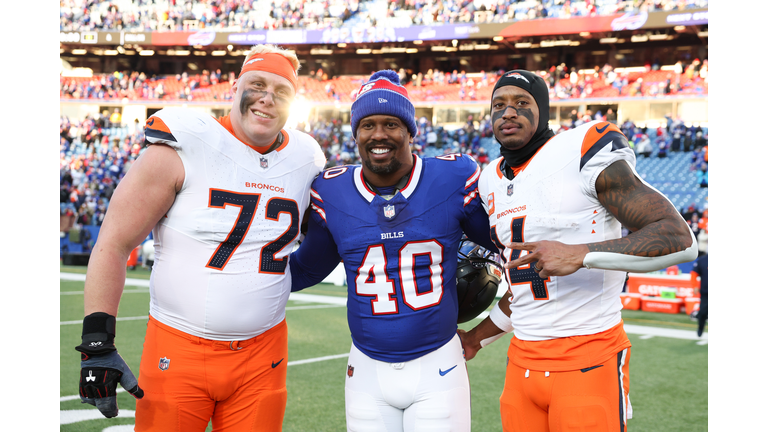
98, 335
487, 341
501, 319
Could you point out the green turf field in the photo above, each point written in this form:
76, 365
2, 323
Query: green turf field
668, 387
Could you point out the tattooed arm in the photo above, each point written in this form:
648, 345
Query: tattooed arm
656, 226
659, 235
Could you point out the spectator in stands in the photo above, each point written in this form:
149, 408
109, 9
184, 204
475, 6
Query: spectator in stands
702, 176
644, 147
610, 116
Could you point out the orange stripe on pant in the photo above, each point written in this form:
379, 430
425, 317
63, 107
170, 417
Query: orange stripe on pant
239, 385
594, 399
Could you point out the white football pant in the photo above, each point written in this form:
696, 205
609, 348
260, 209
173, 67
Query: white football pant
427, 394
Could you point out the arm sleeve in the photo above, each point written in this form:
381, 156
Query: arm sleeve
316, 258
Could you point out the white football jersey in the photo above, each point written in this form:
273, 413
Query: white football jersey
554, 198
221, 252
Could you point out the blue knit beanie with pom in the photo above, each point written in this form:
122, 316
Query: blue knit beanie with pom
384, 95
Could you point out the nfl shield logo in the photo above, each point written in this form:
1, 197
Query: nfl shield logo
509, 189
164, 364
389, 211
264, 162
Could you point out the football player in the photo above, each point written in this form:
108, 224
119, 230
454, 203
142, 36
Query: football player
396, 222
556, 204
224, 199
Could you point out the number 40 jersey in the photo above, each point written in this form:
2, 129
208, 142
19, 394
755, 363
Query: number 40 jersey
400, 255
221, 252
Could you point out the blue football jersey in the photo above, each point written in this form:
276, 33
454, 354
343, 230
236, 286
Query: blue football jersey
400, 255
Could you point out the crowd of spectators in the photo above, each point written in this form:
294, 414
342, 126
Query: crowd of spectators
98, 150
95, 154
434, 85
186, 15
241, 15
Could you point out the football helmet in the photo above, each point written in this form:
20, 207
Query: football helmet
478, 276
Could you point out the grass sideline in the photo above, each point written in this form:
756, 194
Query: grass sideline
668, 387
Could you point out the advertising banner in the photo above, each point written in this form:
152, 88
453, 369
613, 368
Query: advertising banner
654, 285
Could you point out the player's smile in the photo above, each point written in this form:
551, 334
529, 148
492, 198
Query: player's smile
380, 152
262, 116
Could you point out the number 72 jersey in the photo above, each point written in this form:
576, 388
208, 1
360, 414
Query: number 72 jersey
553, 198
221, 252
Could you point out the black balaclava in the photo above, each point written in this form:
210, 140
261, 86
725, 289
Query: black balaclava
536, 86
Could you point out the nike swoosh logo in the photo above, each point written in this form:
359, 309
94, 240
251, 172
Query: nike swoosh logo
601, 130
443, 373
274, 365
590, 368
151, 122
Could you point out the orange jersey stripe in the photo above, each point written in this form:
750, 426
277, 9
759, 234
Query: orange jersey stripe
227, 123
595, 133
569, 353
518, 169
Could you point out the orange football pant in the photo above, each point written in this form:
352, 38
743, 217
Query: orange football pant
593, 399
189, 381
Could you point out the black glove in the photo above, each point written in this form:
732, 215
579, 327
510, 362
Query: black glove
101, 367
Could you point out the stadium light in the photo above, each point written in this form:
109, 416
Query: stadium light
341, 44
608, 40
439, 48
363, 51
110, 52
218, 53
655, 37
703, 34
640, 38
411, 50
498, 38
146, 53
79, 51
523, 45
547, 43
418, 42
181, 52
200, 53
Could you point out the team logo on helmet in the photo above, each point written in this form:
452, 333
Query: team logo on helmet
517, 76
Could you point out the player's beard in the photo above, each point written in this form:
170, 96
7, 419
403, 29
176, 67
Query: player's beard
392, 167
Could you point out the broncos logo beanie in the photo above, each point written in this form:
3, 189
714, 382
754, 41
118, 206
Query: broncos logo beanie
383, 95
